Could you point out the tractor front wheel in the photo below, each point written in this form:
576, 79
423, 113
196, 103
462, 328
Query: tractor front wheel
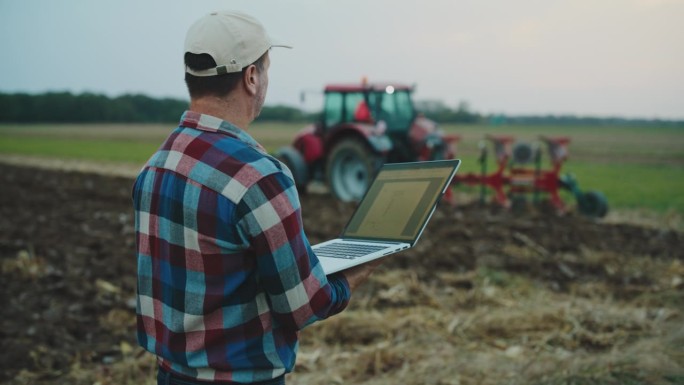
295, 162
350, 169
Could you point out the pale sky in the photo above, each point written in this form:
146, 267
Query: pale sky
584, 57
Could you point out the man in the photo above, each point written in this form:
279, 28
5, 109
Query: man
226, 275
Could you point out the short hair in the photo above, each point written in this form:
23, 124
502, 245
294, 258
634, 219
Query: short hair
218, 85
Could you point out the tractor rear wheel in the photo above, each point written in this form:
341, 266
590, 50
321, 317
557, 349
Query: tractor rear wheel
350, 169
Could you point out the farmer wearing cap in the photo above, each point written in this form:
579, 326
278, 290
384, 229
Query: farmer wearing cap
226, 275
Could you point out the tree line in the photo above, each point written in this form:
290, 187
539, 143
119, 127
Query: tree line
66, 107
438, 111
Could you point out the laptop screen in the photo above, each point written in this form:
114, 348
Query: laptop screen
400, 201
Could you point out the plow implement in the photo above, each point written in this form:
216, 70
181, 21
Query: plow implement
519, 176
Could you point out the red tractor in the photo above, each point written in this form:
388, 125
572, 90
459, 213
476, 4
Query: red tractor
366, 125
362, 127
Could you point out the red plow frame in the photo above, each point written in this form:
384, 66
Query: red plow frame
513, 179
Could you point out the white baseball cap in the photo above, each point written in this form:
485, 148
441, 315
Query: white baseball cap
233, 39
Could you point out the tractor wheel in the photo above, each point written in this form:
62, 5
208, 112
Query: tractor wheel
593, 204
295, 162
350, 169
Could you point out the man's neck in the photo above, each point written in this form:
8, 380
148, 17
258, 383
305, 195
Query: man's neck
228, 109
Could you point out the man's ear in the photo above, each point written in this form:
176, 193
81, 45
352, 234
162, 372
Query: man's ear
250, 79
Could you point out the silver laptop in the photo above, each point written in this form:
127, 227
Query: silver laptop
391, 216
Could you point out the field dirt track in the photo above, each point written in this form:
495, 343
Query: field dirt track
487, 296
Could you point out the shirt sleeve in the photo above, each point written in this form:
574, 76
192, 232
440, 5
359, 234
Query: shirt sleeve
298, 290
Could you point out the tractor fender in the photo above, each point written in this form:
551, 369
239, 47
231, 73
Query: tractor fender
378, 141
429, 142
309, 145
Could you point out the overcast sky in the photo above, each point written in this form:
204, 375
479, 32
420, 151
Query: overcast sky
586, 57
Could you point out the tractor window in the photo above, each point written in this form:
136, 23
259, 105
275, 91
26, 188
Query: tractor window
356, 108
333, 109
405, 111
396, 110
345, 107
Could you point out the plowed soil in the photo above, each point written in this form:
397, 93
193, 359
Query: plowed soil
488, 296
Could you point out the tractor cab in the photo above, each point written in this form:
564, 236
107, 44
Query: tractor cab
362, 126
387, 105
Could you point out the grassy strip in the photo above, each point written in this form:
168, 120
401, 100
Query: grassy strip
633, 186
82, 149
653, 184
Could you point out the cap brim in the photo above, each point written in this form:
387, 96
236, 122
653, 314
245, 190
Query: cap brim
281, 46
278, 43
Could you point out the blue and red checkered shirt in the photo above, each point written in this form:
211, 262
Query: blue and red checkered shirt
226, 275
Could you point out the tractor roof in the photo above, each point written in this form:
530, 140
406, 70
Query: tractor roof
359, 87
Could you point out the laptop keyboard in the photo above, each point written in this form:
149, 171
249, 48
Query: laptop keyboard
346, 250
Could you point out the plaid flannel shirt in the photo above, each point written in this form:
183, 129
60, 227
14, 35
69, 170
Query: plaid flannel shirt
226, 275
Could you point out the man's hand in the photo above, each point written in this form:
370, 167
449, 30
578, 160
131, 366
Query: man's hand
358, 274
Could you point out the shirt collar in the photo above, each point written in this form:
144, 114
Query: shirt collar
210, 123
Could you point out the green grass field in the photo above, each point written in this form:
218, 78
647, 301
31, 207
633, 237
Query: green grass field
635, 167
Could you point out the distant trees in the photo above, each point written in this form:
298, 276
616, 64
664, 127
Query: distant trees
440, 112
574, 120
283, 114
65, 107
